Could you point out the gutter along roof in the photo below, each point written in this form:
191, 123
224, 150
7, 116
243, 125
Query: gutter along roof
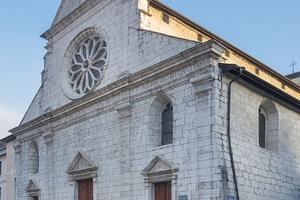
287, 100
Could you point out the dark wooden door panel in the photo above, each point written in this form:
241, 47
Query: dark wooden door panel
85, 190
163, 191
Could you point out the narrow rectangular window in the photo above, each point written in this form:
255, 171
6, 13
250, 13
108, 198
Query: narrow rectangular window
167, 125
262, 130
0, 167
15, 187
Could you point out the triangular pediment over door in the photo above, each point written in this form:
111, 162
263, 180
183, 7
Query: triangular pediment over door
82, 167
159, 170
32, 189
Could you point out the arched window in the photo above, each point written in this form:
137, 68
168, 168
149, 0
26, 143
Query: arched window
167, 125
268, 125
160, 121
262, 128
33, 153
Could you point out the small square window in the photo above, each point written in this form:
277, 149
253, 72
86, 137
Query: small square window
166, 18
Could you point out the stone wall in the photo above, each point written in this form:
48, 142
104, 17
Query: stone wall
262, 173
130, 50
116, 134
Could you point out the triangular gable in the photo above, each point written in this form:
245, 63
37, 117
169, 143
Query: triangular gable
34, 110
159, 166
65, 8
32, 187
80, 164
159, 49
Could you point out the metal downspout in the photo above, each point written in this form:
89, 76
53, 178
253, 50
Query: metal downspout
229, 131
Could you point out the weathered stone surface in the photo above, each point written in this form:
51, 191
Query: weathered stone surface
117, 125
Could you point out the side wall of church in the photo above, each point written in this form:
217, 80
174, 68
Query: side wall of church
261, 173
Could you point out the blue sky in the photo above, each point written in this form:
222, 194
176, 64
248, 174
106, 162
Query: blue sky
268, 30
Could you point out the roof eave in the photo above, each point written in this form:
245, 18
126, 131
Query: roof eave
282, 97
228, 45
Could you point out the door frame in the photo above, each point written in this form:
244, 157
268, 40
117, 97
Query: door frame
75, 187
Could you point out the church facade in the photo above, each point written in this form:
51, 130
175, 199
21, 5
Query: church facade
137, 102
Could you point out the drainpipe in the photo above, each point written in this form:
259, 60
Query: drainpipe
241, 69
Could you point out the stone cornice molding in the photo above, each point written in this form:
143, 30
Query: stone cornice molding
48, 136
17, 147
124, 110
210, 49
203, 82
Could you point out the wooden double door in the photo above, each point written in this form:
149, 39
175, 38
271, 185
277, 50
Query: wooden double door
163, 191
85, 190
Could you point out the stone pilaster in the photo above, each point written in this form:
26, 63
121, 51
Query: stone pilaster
48, 140
124, 110
18, 161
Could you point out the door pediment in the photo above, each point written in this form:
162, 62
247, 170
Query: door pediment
32, 189
159, 166
82, 167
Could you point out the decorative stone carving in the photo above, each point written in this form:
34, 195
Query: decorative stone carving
124, 109
48, 137
87, 65
82, 168
32, 189
202, 83
159, 170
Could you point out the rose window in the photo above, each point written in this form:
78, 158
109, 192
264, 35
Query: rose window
87, 65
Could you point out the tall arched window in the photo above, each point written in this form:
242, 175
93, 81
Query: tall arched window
262, 128
167, 125
268, 125
160, 121
33, 153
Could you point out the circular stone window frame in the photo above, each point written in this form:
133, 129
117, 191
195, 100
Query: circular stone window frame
68, 57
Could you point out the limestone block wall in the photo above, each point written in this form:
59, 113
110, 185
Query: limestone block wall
261, 173
116, 133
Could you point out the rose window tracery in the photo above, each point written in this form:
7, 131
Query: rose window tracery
87, 64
